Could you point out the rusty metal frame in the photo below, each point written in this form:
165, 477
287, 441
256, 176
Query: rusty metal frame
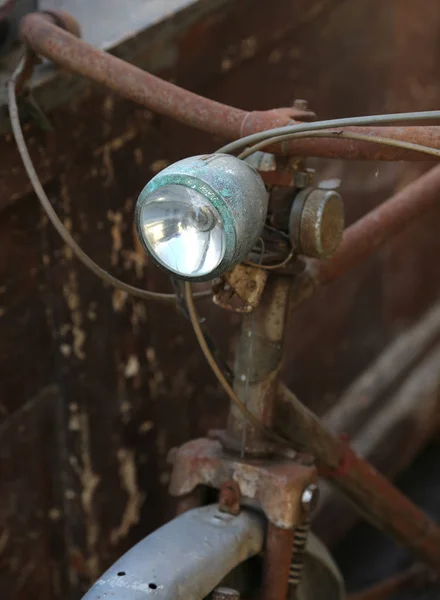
273, 485
276, 486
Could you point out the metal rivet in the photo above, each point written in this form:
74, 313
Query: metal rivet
310, 497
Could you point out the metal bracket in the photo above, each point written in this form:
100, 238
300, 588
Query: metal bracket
276, 486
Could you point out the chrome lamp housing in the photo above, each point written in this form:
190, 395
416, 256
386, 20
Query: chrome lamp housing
202, 215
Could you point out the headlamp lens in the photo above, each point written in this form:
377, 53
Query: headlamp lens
183, 230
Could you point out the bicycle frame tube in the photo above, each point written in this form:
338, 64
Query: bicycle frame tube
372, 494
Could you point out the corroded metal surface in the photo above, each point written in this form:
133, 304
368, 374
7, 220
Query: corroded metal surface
73, 54
229, 497
277, 558
372, 231
258, 360
277, 485
247, 282
407, 375
127, 80
373, 495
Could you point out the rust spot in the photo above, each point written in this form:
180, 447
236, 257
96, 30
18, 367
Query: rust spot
128, 477
229, 497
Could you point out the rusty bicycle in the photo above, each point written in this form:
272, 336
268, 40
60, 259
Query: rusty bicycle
252, 219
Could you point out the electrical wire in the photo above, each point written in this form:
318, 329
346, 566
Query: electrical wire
376, 139
56, 221
278, 265
254, 138
220, 376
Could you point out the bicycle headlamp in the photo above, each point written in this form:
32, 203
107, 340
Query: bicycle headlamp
202, 215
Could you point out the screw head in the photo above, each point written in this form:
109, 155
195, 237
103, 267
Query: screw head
301, 104
310, 497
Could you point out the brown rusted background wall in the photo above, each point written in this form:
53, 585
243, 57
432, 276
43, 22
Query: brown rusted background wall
96, 387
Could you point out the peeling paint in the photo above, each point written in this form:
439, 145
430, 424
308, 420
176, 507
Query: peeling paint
120, 582
79, 337
69, 494
108, 168
116, 218
119, 299
89, 481
156, 380
159, 164
109, 105
248, 47
145, 427
275, 56
70, 292
138, 315
92, 313
131, 367
74, 422
138, 155
118, 142
135, 259
125, 409
54, 514
226, 64
131, 515
66, 350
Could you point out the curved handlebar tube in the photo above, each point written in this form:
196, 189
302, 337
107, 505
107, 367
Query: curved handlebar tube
54, 35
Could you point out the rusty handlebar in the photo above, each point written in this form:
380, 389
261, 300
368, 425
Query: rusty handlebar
55, 35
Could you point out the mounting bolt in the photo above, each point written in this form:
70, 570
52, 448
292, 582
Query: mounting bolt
224, 593
229, 497
317, 222
301, 104
301, 179
310, 497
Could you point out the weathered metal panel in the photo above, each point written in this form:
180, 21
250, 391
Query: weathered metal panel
31, 544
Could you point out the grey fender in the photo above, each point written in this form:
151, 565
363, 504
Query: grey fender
185, 559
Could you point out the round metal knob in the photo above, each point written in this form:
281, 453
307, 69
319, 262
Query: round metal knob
317, 222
